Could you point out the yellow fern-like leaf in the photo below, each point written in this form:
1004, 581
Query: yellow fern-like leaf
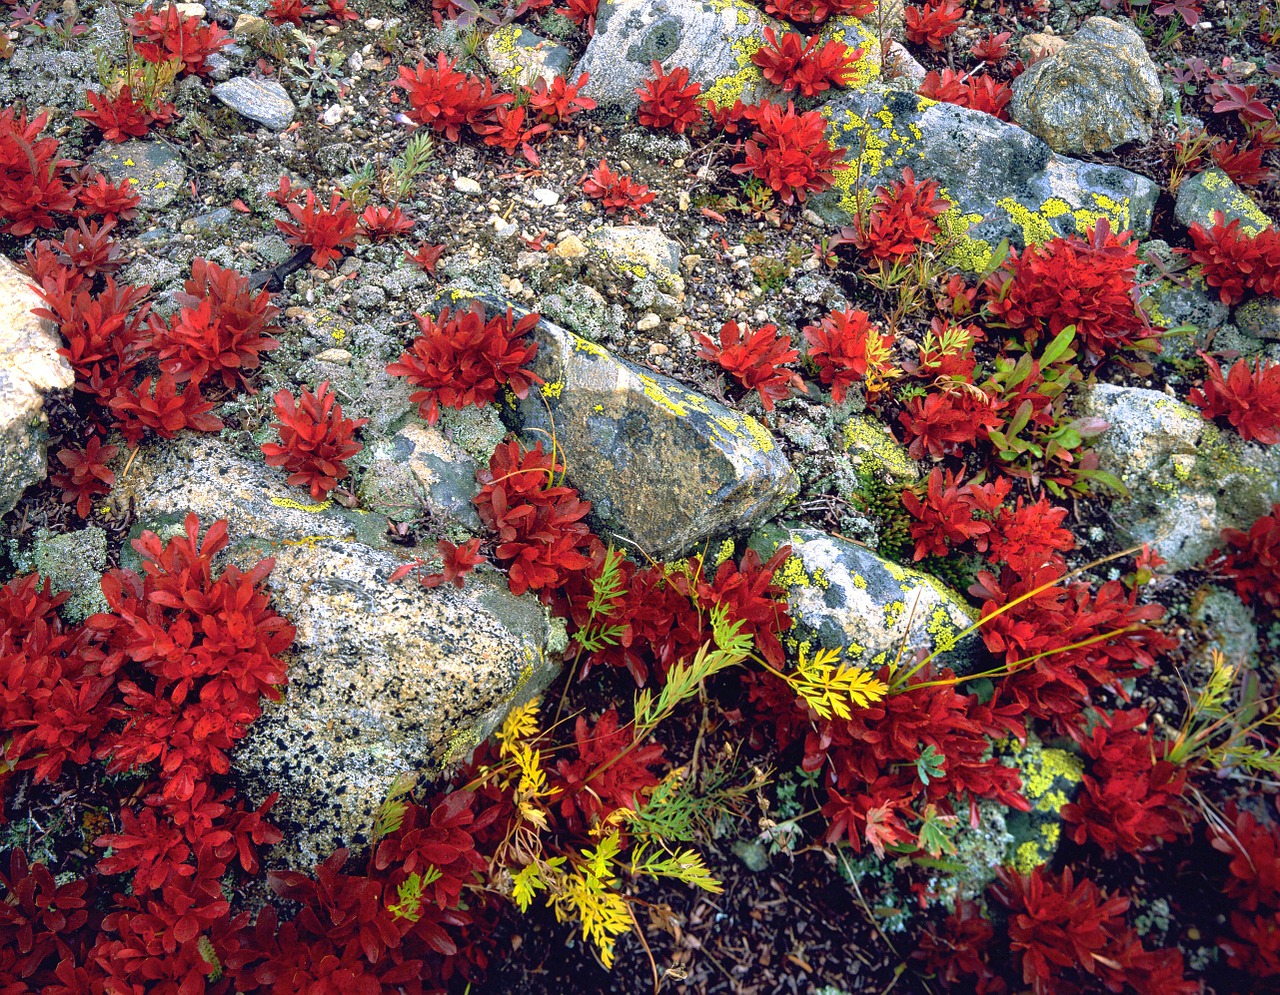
830, 688
525, 884
597, 908
521, 724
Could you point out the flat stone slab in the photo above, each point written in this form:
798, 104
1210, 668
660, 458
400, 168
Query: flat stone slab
153, 169
1002, 181
262, 100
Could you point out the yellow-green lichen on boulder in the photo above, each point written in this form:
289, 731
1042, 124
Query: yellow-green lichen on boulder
842, 595
874, 450
1050, 779
1002, 181
1200, 196
520, 58
639, 251
152, 169
713, 39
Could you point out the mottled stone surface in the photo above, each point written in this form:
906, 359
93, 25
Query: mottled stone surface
384, 679
72, 562
419, 469
1259, 317
520, 57
1098, 91
30, 367
713, 40
1002, 181
1187, 478
640, 250
154, 169
1180, 301
1200, 196
842, 595
262, 100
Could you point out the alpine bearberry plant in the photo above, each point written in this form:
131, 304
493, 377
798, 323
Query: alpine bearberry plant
617, 193
789, 152
755, 359
669, 100
1247, 397
315, 440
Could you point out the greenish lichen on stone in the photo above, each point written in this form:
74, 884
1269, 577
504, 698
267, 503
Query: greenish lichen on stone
72, 562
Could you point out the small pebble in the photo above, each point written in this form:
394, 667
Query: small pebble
373, 24
338, 357
515, 287
648, 322
331, 116
570, 247
658, 349
546, 197
466, 185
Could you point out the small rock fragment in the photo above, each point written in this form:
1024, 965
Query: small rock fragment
261, 100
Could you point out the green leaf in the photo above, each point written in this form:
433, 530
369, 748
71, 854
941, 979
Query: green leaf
930, 764
1059, 346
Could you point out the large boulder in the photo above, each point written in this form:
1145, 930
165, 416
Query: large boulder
843, 596
1002, 181
1098, 91
1188, 479
30, 367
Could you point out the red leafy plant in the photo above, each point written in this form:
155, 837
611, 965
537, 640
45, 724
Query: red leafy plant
846, 348
447, 100
538, 522
979, 92
791, 63
559, 102
957, 953
606, 775
617, 193
902, 216
1130, 799
165, 411
167, 34
508, 131
426, 257
755, 359
327, 231
1252, 560
315, 440
1235, 262
992, 47
121, 117
1070, 281
289, 12
86, 476
1253, 885
1248, 397
947, 421
1244, 166
457, 562
39, 920
669, 100
789, 152
953, 513
464, 358
1066, 932
933, 23
582, 13
31, 187
112, 201
817, 11
380, 223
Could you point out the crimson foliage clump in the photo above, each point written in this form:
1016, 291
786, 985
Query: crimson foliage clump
315, 440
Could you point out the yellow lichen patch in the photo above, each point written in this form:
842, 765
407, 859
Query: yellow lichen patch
972, 255
940, 628
727, 90
1035, 227
893, 613
1040, 769
590, 348
296, 506
1117, 212
872, 441
760, 437
1252, 217
853, 33
792, 574
820, 579
741, 10
552, 389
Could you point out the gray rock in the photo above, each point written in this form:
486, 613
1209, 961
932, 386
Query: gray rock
521, 58
30, 367
664, 467
1201, 195
714, 41
1259, 317
1187, 479
72, 562
1002, 181
154, 169
262, 100
842, 595
1099, 91
1229, 625
468, 186
1184, 299
584, 311
902, 70
639, 250
643, 145
384, 680
419, 469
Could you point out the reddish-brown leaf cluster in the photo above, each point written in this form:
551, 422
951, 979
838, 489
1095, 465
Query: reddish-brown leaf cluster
1253, 885
980, 92
539, 523
617, 193
1072, 937
112, 201
164, 410
315, 440
463, 358
933, 23
120, 117
508, 131
669, 100
327, 231
1248, 397
1131, 797
757, 360
560, 102
289, 12
31, 185
606, 774
167, 34
1252, 560
582, 13
381, 223
953, 513
446, 100
1234, 262
902, 217
86, 474
840, 343
426, 257
789, 152
991, 47
1244, 166
1070, 281
792, 63
944, 422
817, 11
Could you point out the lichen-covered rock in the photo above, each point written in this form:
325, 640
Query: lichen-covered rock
384, 679
262, 100
583, 310
1229, 626
418, 470
155, 172
1259, 317
714, 40
1201, 195
72, 562
520, 57
1002, 181
663, 466
1186, 301
874, 450
1187, 479
1098, 91
842, 595
640, 251
30, 367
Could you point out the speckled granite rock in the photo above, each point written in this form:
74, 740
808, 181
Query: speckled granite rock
639, 250
1259, 317
30, 367
520, 57
72, 562
419, 469
1098, 91
384, 679
1201, 195
1187, 478
1002, 181
1180, 301
842, 595
262, 100
154, 170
